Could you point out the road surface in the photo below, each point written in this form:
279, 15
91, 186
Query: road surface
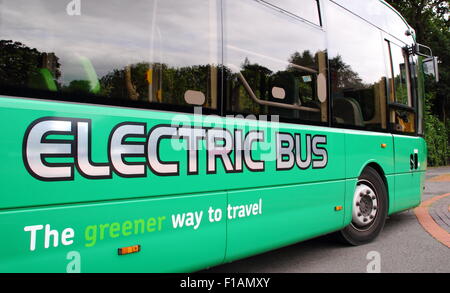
409, 243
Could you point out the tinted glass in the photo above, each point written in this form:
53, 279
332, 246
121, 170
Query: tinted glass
403, 89
358, 82
145, 50
276, 64
371, 10
306, 9
399, 74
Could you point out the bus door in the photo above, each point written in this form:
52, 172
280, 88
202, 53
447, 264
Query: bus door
403, 107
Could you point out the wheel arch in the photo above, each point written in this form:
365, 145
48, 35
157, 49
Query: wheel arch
382, 174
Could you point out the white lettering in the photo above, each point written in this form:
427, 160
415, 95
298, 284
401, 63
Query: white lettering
33, 230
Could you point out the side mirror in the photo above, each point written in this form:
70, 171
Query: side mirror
430, 67
422, 50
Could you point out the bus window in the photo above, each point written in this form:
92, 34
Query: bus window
276, 64
401, 89
394, 24
141, 52
357, 71
399, 75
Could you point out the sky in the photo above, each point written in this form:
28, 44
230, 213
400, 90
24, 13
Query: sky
112, 33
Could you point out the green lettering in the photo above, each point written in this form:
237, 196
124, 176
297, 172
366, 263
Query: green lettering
90, 234
138, 222
113, 229
151, 223
102, 230
127, 225
160, 219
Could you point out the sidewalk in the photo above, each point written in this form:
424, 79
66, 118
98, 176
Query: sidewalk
434, 212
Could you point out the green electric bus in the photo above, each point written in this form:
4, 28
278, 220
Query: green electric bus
172, 136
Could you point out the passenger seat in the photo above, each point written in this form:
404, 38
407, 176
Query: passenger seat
348, 111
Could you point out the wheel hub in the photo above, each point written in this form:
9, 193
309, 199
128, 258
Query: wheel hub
364, 206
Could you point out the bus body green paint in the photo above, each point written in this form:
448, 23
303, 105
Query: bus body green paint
297, 204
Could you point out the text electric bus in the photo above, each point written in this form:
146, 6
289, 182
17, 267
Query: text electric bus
171, 136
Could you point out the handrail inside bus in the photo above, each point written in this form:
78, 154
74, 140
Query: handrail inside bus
296, 66
269, 103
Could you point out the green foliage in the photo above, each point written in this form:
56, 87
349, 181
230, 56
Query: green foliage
436, 135
169, 83
78, 86
18, 63
344, 75
113, 84
22, 66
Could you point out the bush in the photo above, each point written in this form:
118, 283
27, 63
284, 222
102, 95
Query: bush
436, 135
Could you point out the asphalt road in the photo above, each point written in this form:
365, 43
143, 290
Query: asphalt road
404, 246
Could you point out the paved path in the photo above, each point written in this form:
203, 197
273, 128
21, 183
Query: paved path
434, 212
440, 213
403, 246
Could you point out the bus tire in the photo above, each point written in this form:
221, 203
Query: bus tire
369, 209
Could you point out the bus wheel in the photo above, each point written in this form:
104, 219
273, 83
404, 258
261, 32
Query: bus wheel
369, 209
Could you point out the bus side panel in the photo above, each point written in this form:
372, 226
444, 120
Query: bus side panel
326, 163
300, 203
283, 216
363, 148
409, 188
89, 236
409, 176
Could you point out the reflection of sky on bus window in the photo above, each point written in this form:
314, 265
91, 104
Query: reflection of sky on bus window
306, 9
372, 10
380, 15
112, 34
358, 43
253, 30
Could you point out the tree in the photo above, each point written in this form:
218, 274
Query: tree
17, 63
343, 74
20, 65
